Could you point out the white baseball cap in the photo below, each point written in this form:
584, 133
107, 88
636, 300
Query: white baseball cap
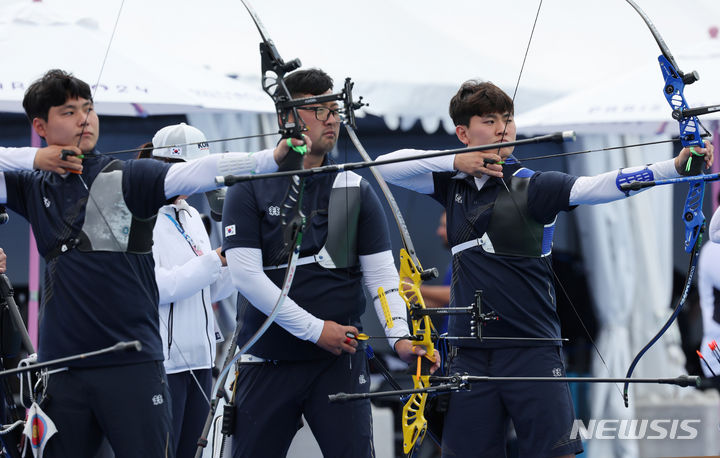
181, 141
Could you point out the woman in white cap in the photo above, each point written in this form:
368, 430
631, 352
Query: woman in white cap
190, 277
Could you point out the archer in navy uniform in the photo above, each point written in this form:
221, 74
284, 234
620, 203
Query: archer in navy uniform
500, 223
306, 355
95, 232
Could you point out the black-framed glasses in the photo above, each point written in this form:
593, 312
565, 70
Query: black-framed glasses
323, 113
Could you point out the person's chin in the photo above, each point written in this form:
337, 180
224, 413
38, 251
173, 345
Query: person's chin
87, 145
327, 144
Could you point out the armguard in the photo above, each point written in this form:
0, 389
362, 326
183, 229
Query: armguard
632, 175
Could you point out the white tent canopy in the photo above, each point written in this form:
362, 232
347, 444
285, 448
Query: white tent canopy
35, 37
634, 102
407, 58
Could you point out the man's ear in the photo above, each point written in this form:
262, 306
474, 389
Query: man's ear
461, 132
39, 126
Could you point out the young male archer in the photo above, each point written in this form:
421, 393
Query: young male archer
500, 220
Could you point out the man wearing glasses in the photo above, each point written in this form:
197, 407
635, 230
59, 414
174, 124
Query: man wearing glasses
306, 354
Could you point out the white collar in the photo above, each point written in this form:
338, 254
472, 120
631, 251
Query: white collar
480, 182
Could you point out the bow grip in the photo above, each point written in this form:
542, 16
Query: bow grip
293, 160
695, 164
64, 154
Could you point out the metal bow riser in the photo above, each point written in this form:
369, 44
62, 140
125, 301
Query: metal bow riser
414, 424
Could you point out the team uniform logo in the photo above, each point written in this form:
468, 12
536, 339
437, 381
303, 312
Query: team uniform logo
229, 230
273, 210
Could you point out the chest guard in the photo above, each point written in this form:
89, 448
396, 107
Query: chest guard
340, 250
512, 231
109, 224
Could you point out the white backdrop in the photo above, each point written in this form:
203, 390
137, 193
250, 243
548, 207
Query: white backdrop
407, 58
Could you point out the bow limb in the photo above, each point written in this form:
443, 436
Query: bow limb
287, 283
676, 311
273, 69
689, 127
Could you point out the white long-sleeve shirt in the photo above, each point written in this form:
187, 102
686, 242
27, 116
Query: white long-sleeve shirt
12, 159
187, 178
417, 176
189, 280
378, 271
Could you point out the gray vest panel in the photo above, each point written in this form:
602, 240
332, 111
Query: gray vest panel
109, 225
340, 250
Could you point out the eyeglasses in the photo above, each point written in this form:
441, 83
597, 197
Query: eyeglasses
323, 113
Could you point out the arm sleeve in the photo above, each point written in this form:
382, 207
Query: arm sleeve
714, 228
379, 271
604, 188
415, 175
13, 159
248, 277
3, 189
183, 281
187, 178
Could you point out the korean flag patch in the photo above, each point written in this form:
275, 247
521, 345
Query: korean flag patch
229, 230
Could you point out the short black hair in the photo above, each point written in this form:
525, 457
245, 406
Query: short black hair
478, 98
311, 81
52, 90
